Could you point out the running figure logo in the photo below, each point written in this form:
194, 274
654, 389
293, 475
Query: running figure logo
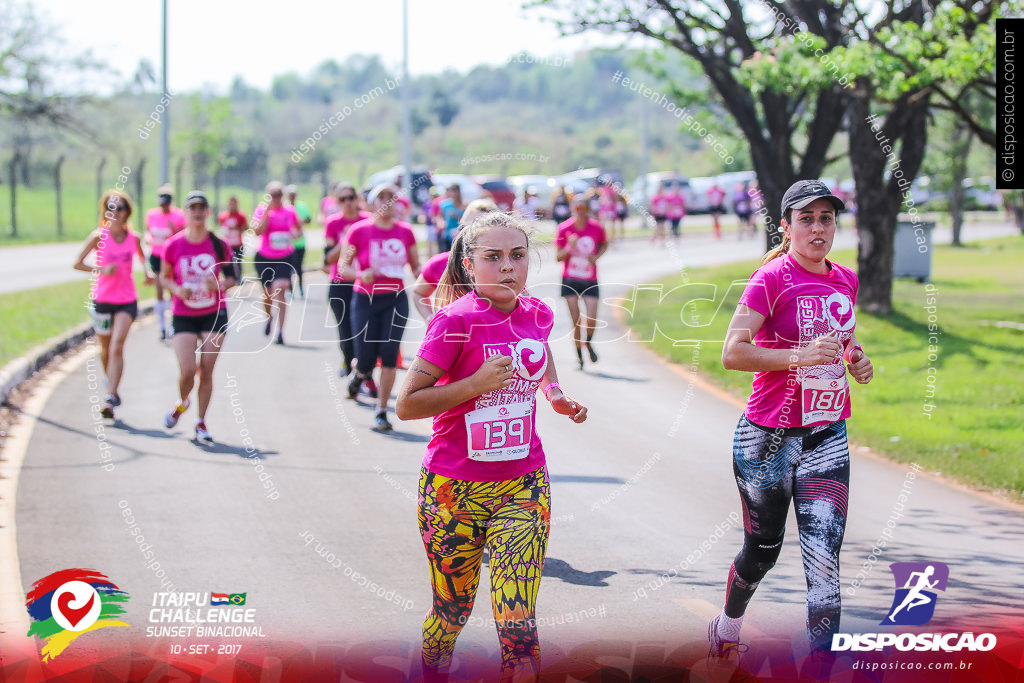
914, 603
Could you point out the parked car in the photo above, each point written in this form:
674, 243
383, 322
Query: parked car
697, 200
543, 186
500, 190
728, 182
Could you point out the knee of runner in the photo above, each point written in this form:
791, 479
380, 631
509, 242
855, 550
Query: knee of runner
757, 558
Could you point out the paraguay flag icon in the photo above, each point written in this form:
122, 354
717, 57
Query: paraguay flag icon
70, 603
916, 583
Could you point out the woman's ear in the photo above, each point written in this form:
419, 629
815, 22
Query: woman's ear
467, 263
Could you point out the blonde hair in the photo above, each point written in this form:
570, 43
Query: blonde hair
111, 198
475, 208
456, 281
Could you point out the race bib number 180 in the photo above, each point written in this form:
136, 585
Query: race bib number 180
823, 399
498, 433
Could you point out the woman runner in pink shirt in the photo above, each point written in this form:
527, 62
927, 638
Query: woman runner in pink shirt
277, 225
580, 242
161, 223
197, 270
793, 327
484, 482
115, 303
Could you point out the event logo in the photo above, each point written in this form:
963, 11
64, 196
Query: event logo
914, 602
70, 603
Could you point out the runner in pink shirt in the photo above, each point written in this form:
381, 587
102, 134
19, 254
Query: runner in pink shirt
339, 293
659, 210
197, 271
580, 242
233, 223
716, 204
277, 225
676, 208
377, 253
484, 481
115, 302
793, 328
161, 223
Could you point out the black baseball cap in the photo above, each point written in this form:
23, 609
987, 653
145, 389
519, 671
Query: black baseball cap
803, 192
195, 197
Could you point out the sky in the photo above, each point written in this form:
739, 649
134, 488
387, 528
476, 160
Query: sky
209, 42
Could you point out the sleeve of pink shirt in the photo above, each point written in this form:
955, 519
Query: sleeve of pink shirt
443, 341
759, 294
560, 238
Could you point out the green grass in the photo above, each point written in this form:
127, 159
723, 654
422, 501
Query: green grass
32, 316
973, 431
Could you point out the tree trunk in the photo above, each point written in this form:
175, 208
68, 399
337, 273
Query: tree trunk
216, 192
961, 147
879, 200
1017, 207
99, 180
59, 195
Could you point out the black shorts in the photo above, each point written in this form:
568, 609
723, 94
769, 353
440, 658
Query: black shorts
573, 287
131, 308
718, 208
216, 322
269, 269
743, 216
154, 263
621, 214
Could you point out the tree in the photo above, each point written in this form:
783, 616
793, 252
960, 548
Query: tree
445, 109
29, 96
791, 72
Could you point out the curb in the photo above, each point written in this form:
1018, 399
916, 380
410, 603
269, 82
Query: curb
23, 368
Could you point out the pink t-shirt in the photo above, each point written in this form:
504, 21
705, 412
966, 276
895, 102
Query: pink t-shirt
502, 423
160, 226
276, 240
334, 231
590, 239
233, 224
676, 205
659, 205
800, 306
386, 250
716, 195
434, 268
193, 264
328, 207
118, 288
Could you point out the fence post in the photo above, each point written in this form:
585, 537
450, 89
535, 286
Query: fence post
99, 180
138, 183
14, 193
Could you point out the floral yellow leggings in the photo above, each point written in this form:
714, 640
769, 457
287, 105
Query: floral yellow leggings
458, 519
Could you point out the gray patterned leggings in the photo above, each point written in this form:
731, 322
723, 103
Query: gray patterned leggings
811, 466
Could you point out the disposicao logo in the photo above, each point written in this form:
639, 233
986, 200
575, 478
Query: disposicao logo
70, 603
914, 605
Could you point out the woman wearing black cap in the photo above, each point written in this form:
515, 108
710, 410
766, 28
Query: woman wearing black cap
195, 270
793, 328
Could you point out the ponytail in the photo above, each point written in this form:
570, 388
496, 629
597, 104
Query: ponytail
782, 248
455, 280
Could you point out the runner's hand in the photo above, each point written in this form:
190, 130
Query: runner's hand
366, 276
184, 293
820, 351
563, 405
860, 366
495, 373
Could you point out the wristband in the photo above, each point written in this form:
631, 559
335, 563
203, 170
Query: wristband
858, 346
548, 388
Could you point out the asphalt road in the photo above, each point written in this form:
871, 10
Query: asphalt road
646, 516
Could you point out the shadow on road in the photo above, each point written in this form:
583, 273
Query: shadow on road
560, 569
619, 378
404, 436
240, 451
